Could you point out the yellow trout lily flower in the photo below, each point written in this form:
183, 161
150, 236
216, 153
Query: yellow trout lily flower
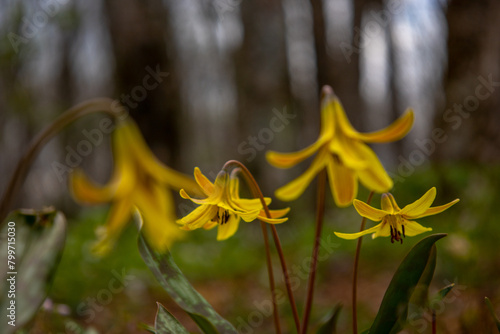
343, 152
223, 206
139, 182
397, 222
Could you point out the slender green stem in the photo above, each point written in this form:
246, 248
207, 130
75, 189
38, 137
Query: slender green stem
271, 278
320, 213
258, 193
355, 274
96, 105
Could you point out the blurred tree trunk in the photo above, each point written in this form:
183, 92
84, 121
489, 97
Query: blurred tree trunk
261, 77
139, 34
393, 84
470, 118
342, 74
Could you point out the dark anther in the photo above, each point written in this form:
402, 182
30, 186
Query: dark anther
224, 218
396, 235
403, 227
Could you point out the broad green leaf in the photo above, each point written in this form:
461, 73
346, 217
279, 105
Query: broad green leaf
420, 296
394, 308
177, 286
36, 241
165, 322
329, 326
492, 312
419, 300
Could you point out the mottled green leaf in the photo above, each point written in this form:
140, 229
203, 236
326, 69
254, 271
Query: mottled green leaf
394, 308
37, 239
329, 326
182, 292
165, 322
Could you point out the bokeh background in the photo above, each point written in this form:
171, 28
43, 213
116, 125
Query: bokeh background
235, 78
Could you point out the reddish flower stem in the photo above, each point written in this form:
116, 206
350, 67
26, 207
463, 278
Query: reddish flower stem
287, 278
258, 193
271, 278
320, 213
69, 116
355, 273
434, 329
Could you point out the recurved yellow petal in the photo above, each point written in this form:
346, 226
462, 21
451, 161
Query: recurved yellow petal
84, 190
199, 216
393, 132
343, 183
118, 217
387, 204
369, 212
160, 232
286, 160
275, 213
352, 153
175, 179
294, 189
210, 225
328, 106
393, 202
351, 236
252, 205
128, 136
228, 229
272, 220
344, 126
413, 228
154, 203
438, 209
131, 135
420, 206
247, 216
208, 200
234, 187
383, 231
203, 182
216, 195
374, 176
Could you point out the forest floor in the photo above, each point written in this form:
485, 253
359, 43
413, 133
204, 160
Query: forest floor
232, 275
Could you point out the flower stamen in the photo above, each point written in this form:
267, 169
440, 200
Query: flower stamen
396, 234
224, 218
221, 217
